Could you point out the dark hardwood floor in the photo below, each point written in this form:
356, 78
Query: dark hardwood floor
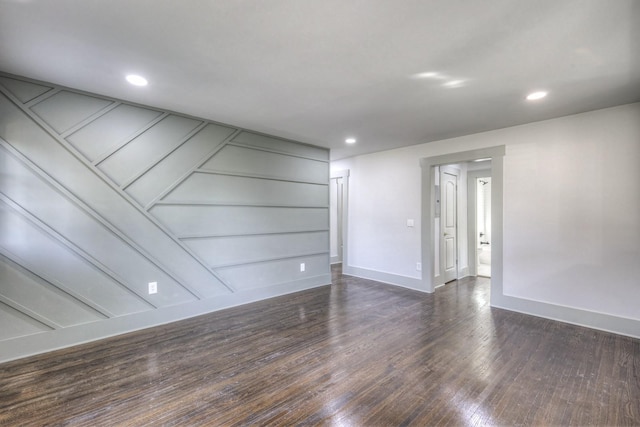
357, 353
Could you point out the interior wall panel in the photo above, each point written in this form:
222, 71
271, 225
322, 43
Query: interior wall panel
16, 324
65, 109
202, 221
151, 146
223, 189
45, 203
111, 131
86, 186
251, 162
99, 197
220, 251
42, 298
272, 273
281, 146
24, 91
39, 252
188, 156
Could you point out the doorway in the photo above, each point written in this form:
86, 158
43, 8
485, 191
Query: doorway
449, 219
483, 226
430, 251
335, 226
338, 197
479, 213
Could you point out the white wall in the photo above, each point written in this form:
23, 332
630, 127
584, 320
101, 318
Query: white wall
571, 209
572, 212
383, 194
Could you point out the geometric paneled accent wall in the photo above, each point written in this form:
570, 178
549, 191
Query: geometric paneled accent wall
99, 197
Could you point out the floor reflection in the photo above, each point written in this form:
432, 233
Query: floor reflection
356, 353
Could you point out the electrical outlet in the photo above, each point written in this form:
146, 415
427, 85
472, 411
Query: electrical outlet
302, 266
153, 288
419, 266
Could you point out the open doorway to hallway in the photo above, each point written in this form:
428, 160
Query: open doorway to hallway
483, 226
335, 215
462, 221
338, 206
480, 242
431, 276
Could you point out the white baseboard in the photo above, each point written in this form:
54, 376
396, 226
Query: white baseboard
574, 316
30, 345
388, 278
593, 320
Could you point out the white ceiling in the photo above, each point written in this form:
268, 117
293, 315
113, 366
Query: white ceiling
320, 71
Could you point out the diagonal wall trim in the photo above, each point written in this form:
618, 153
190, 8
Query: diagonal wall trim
90, 119
128, 198
43, 326
191, 170
25, 91
25, 266
73, 248
264, 177
113, 150
30, 313
268, 150
151, 165
29, 345
85, 174
38, 99
72, 197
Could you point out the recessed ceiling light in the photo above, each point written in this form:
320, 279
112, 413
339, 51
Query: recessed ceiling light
137, 80
454, 83
430, 75
536, 95
426, 75
350, 140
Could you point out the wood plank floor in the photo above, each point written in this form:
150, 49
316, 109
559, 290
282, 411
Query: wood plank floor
356, 353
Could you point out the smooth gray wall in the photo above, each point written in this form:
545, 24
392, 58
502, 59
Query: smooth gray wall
99, 197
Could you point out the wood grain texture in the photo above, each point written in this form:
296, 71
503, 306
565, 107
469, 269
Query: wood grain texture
353, 353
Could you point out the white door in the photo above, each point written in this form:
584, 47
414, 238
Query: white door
448, 197
335, 219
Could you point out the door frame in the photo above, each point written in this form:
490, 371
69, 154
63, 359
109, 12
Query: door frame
472, 214
496, 154
344, 220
